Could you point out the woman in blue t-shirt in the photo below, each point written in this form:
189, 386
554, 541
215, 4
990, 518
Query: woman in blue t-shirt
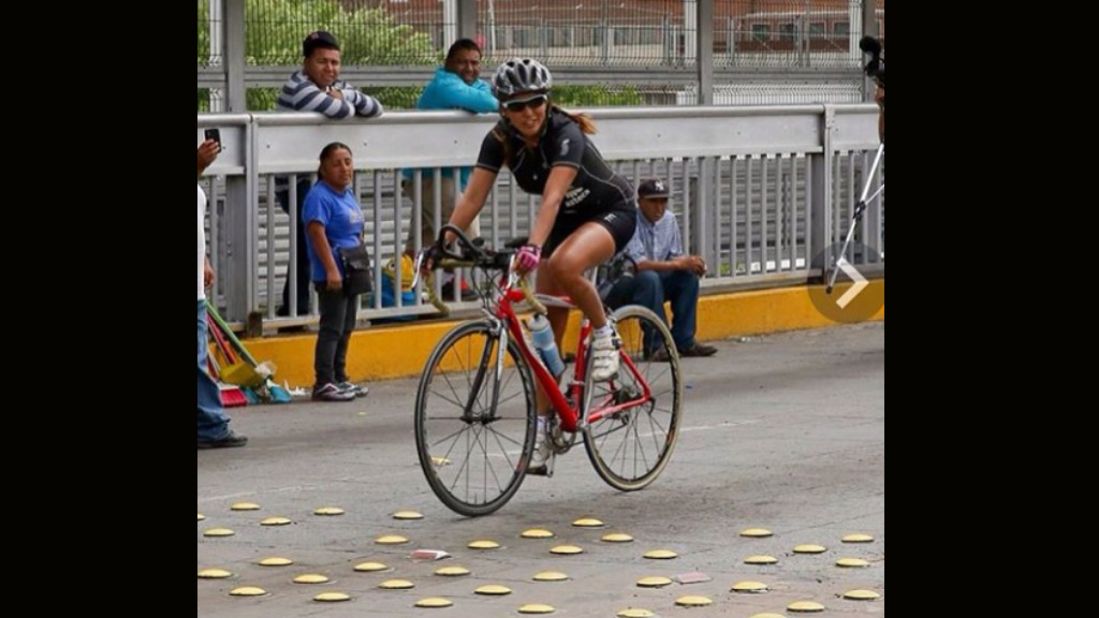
333, 220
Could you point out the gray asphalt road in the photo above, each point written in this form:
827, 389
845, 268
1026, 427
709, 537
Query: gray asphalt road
784, 432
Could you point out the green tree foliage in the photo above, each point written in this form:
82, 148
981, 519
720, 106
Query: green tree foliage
591, 96
367, 36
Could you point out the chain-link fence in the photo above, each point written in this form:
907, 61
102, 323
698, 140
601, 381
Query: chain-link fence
371, 32
789, 33
586, 33
603, 52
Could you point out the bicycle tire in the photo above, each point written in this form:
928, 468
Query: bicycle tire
496, 420
610, 440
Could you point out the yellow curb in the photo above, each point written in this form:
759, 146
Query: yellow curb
400, 351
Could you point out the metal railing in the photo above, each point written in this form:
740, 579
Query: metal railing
762, 193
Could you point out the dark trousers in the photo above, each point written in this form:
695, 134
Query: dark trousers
336, 325
303, 273
650, 289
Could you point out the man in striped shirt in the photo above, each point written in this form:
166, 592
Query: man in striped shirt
316, 88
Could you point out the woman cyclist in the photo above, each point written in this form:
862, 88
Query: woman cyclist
588, 212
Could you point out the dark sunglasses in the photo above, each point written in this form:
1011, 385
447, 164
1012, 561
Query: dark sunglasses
518, 106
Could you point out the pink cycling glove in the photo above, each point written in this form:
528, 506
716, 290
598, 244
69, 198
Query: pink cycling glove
527, 258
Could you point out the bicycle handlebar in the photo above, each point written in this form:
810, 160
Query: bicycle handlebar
476, 256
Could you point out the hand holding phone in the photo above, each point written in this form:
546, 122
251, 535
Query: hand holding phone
214, 134
208, 151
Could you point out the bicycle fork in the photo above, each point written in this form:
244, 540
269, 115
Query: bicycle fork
483, 367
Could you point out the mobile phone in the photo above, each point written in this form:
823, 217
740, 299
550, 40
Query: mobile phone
214, 134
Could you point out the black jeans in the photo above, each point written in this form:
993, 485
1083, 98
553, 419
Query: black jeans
303, 270
336, 325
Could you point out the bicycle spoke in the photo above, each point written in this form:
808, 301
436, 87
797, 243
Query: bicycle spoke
508, 438
507, 378
656, 443
615, 427
496, 436
653, 432
639, 447
509, 398
621, 446
464, 466
457, 399
467, 363
484, 451
456, 433
454, 401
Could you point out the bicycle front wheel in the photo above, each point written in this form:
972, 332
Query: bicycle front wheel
631, 446
474, 429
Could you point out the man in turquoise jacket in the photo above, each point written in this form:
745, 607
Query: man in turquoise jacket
455, 86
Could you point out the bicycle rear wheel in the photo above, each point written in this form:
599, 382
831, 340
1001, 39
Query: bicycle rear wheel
474, 431
629, 448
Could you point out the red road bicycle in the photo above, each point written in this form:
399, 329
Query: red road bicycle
475, 405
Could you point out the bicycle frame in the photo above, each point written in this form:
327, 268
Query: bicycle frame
513, 289
569, 415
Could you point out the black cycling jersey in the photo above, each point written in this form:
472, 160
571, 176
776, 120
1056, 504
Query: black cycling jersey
596, 187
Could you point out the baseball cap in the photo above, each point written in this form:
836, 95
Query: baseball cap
653, 188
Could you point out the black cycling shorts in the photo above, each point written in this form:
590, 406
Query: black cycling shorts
620, 221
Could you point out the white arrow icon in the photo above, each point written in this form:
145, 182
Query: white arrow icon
853, 291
